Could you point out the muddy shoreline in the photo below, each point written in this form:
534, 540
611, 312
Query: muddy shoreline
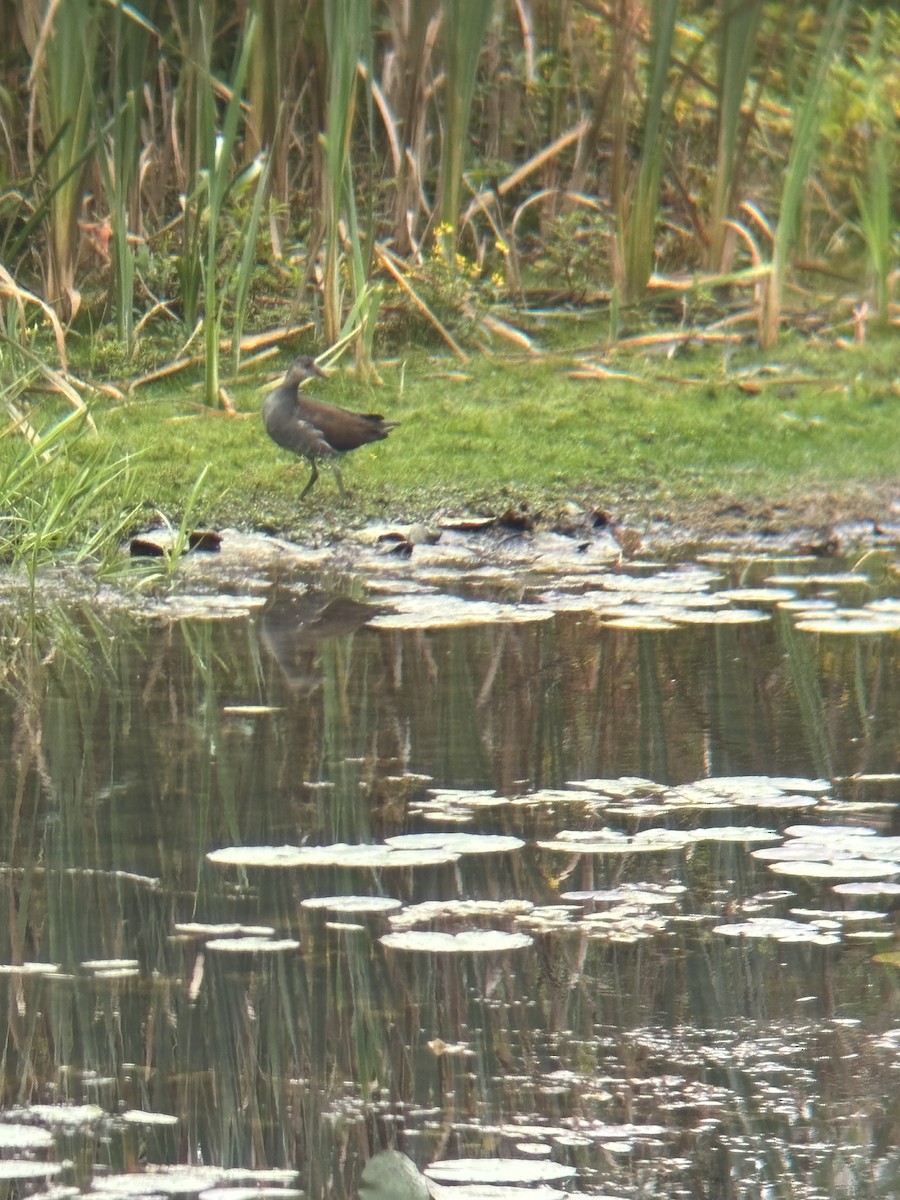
507, 547
825, 524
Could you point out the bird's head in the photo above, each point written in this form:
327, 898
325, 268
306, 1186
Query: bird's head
301, 369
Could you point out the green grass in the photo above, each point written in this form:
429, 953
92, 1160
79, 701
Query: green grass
523, 430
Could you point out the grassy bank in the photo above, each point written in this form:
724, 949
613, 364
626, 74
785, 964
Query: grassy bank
640, 435
570, 174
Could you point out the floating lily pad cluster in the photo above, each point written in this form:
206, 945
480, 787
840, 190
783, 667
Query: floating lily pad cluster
668, 830
403, 850
834, 853
97, 968
619, 831
635, 797
37, 1129
436, 611
642, 597
669, 598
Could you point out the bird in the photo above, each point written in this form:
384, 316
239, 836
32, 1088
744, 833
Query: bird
294, 625
313, 429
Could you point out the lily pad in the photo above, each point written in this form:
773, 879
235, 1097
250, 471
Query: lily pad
724, 616
171, 1181
619, 788
353, 904
858, 622
458, 910
70, 1117
499, 1191
779, 929
640, 622
20, 1168
631, 893
812, 606
251, 710
457, 843
30, 968
252, 945
110, 964
497, 1170
760, 595
181, 1180
601, 841
136, 1116
849, 868
554, 796
871, 888
338, 855
24, 1137
248, 1192
657, 584
472, 941
190, 929
837, 579
428, 611
752, 785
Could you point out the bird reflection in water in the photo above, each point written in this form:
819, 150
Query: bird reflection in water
295, 623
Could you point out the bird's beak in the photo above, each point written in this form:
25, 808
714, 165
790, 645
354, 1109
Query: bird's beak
317, 370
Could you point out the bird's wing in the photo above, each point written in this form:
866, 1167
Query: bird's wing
308, 436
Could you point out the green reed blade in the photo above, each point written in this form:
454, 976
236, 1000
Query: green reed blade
463, 29
64, 39
637, 205
803, 146
347, 36
736, 34
874, 193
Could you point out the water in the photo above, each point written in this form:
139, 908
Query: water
637, 1040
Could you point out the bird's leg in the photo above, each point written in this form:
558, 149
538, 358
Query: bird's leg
312, 479
339, 480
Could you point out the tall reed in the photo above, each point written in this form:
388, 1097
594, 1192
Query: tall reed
874, 192
156, 88
193, 122
463, 29
637, 200
120, 152
407, 81
348, 30
737, 32
216, 182
63, 41
807, 124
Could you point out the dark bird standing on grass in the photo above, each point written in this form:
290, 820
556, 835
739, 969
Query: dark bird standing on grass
313, 429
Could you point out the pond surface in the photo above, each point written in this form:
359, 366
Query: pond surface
591, 874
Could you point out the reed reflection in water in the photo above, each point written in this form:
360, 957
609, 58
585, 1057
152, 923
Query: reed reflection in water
640, 1046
